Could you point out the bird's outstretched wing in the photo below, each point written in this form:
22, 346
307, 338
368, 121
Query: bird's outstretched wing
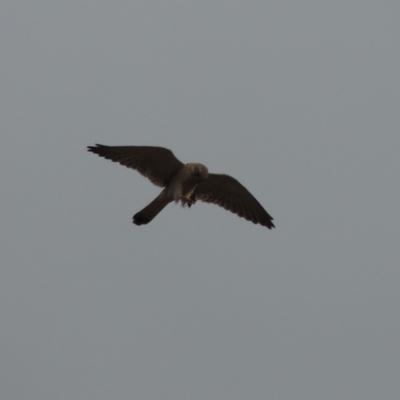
228, 193
156, 163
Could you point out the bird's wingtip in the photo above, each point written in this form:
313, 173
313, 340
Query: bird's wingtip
96, 147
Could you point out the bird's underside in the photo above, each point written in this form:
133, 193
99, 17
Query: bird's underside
184, 182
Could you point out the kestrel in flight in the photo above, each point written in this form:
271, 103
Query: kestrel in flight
184, 182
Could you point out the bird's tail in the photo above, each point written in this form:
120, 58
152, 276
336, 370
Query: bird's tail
151, 210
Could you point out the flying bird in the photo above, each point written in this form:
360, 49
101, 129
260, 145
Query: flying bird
184, 182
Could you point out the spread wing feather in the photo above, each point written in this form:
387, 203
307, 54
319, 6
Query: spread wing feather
155, 163
230, 194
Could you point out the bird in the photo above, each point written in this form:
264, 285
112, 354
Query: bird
184, 182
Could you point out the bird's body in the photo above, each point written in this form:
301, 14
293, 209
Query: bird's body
184, 182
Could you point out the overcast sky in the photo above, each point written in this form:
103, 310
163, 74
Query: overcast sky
299, 101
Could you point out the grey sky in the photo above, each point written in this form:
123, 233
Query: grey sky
297, 100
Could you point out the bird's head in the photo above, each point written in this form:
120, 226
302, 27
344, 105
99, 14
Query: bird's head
198, 170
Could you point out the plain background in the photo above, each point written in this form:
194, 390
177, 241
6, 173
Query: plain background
298, 100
